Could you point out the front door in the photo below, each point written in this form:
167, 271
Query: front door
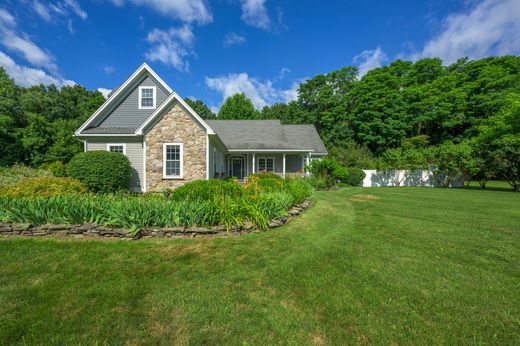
237, 167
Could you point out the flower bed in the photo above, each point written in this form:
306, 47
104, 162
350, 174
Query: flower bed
95, 231
223, 205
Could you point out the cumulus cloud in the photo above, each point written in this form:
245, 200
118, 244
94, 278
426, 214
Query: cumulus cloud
370, 59
27, 76
261, 93
171, 47
19, 42
189, 11
254, 13
105, 92
492, 27
232, 39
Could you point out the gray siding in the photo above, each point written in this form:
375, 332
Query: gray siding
217, 154
134, 152
127, 113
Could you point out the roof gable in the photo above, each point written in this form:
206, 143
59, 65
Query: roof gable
117, 97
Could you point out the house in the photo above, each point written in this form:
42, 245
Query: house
169, 144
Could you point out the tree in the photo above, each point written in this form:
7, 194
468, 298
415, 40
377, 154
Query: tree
502, 133
200, 108
238, 106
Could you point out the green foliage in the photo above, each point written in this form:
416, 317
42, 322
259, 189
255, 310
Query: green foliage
351, 154
200, 108
355, 176
44, 187
101, 171
57, 168
13, 175
266, 175
327, 171
205, 190
299, 189
37, 123
238, 106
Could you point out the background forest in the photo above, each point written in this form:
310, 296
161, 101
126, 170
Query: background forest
469, 110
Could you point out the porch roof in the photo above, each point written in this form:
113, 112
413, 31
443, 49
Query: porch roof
265, 135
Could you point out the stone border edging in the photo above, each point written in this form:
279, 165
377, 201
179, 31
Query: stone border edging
96, 231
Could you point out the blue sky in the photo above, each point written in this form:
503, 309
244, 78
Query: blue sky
213, 49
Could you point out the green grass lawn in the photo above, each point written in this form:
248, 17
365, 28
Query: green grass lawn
363, 265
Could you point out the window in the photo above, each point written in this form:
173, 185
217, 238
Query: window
117, 148
266, 164
146, 97
172, 160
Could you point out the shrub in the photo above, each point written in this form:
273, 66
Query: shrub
299, 189
57, 168
46, 186
328, 171
205, 190
355, 176
101, 171
17, 173
317, 183
266, 175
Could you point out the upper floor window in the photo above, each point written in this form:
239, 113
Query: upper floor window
147, 97
117, 148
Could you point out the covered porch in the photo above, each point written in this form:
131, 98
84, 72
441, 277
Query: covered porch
242, 164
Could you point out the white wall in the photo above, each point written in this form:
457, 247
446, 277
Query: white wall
413, 178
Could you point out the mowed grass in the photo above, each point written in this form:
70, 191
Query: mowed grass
362, 266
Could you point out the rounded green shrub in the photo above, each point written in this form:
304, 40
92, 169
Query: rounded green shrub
355, 176
206, 190
44, 187
101, 171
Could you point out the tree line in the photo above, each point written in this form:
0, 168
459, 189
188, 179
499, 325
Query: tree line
362, 119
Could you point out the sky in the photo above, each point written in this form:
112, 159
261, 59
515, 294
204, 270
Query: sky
210, 50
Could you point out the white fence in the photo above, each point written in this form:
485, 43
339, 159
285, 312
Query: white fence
404, 178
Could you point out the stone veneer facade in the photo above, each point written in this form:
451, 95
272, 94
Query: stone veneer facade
176, 126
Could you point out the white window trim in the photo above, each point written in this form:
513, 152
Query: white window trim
118, 145
181, 153
265, 157
154, 96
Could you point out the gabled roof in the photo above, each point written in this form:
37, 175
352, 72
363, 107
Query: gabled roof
173, 97
121, 89
266, 135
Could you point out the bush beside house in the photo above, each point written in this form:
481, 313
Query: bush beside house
101, 171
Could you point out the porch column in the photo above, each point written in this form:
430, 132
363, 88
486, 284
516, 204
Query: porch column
253, 164
307, 159
283, 166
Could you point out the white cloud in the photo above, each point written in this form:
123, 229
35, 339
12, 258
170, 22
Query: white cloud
42, 10
104, 91
261, 93
50, 11
27, 76
233, 39
254, 13
171, 47
19, 42
492, 27
370, 59
74, 6
109, 69
189, 11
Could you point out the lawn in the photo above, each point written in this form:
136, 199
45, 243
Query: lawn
363, 265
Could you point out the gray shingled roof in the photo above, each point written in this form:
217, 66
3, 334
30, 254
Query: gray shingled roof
109, 130
267, 134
